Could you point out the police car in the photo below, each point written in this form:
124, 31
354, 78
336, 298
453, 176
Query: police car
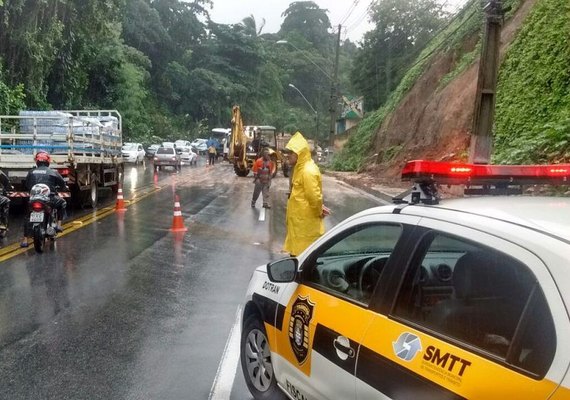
426, 299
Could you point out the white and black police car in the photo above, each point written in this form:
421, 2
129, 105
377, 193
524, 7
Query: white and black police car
463, 298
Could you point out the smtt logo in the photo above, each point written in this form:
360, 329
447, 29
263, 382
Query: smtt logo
407, 346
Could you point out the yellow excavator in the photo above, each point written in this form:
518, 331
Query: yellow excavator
248, 141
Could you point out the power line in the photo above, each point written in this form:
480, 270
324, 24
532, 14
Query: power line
349, 12
362, 16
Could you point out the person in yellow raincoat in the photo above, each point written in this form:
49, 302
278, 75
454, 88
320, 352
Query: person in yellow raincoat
305, 209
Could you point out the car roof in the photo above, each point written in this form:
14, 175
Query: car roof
550, 215
547, 214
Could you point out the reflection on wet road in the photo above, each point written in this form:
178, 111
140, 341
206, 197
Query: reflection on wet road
124, 309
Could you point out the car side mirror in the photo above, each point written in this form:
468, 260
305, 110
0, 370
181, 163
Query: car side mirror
283, 271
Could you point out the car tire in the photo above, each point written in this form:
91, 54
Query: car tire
255, 359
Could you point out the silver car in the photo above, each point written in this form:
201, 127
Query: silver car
167, 157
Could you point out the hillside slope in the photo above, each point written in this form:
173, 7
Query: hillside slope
431, 116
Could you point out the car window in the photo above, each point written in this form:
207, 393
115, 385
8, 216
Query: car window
480, 297
130, 147
165, 150
353, 263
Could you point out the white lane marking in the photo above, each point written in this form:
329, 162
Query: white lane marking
262, 214
222, 386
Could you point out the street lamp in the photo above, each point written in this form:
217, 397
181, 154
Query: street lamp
312, 108
334, 85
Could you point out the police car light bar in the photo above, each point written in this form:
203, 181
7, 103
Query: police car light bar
481, 174
478, 178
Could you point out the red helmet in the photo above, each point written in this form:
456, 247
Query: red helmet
43, 157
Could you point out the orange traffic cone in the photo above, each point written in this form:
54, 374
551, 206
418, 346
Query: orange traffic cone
120, 205
178, 221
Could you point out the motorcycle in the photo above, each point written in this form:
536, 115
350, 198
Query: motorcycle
42, 219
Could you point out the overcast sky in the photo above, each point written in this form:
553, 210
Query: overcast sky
233, 11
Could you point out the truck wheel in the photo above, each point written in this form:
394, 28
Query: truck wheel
93, 193
256, 361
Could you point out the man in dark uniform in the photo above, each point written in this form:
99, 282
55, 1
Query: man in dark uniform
50, 177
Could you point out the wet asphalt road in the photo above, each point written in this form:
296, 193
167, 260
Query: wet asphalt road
124, 309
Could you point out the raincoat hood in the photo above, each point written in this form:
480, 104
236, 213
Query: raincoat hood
299, 145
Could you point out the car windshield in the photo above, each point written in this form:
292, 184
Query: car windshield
165, 150
130, 146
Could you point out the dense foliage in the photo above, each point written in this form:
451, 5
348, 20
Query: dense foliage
533, 102
402, 29
168, 68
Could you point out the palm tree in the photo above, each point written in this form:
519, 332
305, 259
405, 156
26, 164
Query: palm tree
250, 25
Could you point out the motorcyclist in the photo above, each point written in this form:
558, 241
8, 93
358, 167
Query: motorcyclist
50, 177
4, 202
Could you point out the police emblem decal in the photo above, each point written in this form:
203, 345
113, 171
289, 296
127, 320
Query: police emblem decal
301, 314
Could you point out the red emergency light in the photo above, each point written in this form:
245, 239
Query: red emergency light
461, 173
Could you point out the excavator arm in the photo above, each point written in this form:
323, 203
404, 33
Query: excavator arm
238, 144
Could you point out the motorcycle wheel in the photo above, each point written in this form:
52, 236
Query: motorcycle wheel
39, 239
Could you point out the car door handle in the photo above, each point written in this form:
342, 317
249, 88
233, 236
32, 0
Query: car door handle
342, 345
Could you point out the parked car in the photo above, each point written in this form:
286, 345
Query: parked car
167, 157
182, 143
188, 156
427, 298
168, 144
151, 150
133, 153
201, 145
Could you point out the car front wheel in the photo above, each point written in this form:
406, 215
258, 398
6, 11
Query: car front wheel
256, 361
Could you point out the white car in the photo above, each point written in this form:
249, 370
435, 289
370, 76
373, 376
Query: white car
133, 153
187, 156
182, 143
442, 299
200, 145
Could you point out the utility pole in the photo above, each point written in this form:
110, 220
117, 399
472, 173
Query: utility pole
484, 113
334, 92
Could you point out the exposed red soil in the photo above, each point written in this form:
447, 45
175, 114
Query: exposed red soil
432, 122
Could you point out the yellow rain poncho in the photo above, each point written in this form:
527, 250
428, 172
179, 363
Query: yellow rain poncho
305, 206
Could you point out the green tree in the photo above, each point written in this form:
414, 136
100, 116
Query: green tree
307, 20
402, 29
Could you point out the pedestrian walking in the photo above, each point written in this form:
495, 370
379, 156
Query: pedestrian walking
212, 154
263, 169
305, 208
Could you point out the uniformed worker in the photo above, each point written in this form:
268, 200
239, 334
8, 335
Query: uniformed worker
263, 169
305, 209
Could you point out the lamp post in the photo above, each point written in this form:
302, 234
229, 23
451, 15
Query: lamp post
311, 107
332, 79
